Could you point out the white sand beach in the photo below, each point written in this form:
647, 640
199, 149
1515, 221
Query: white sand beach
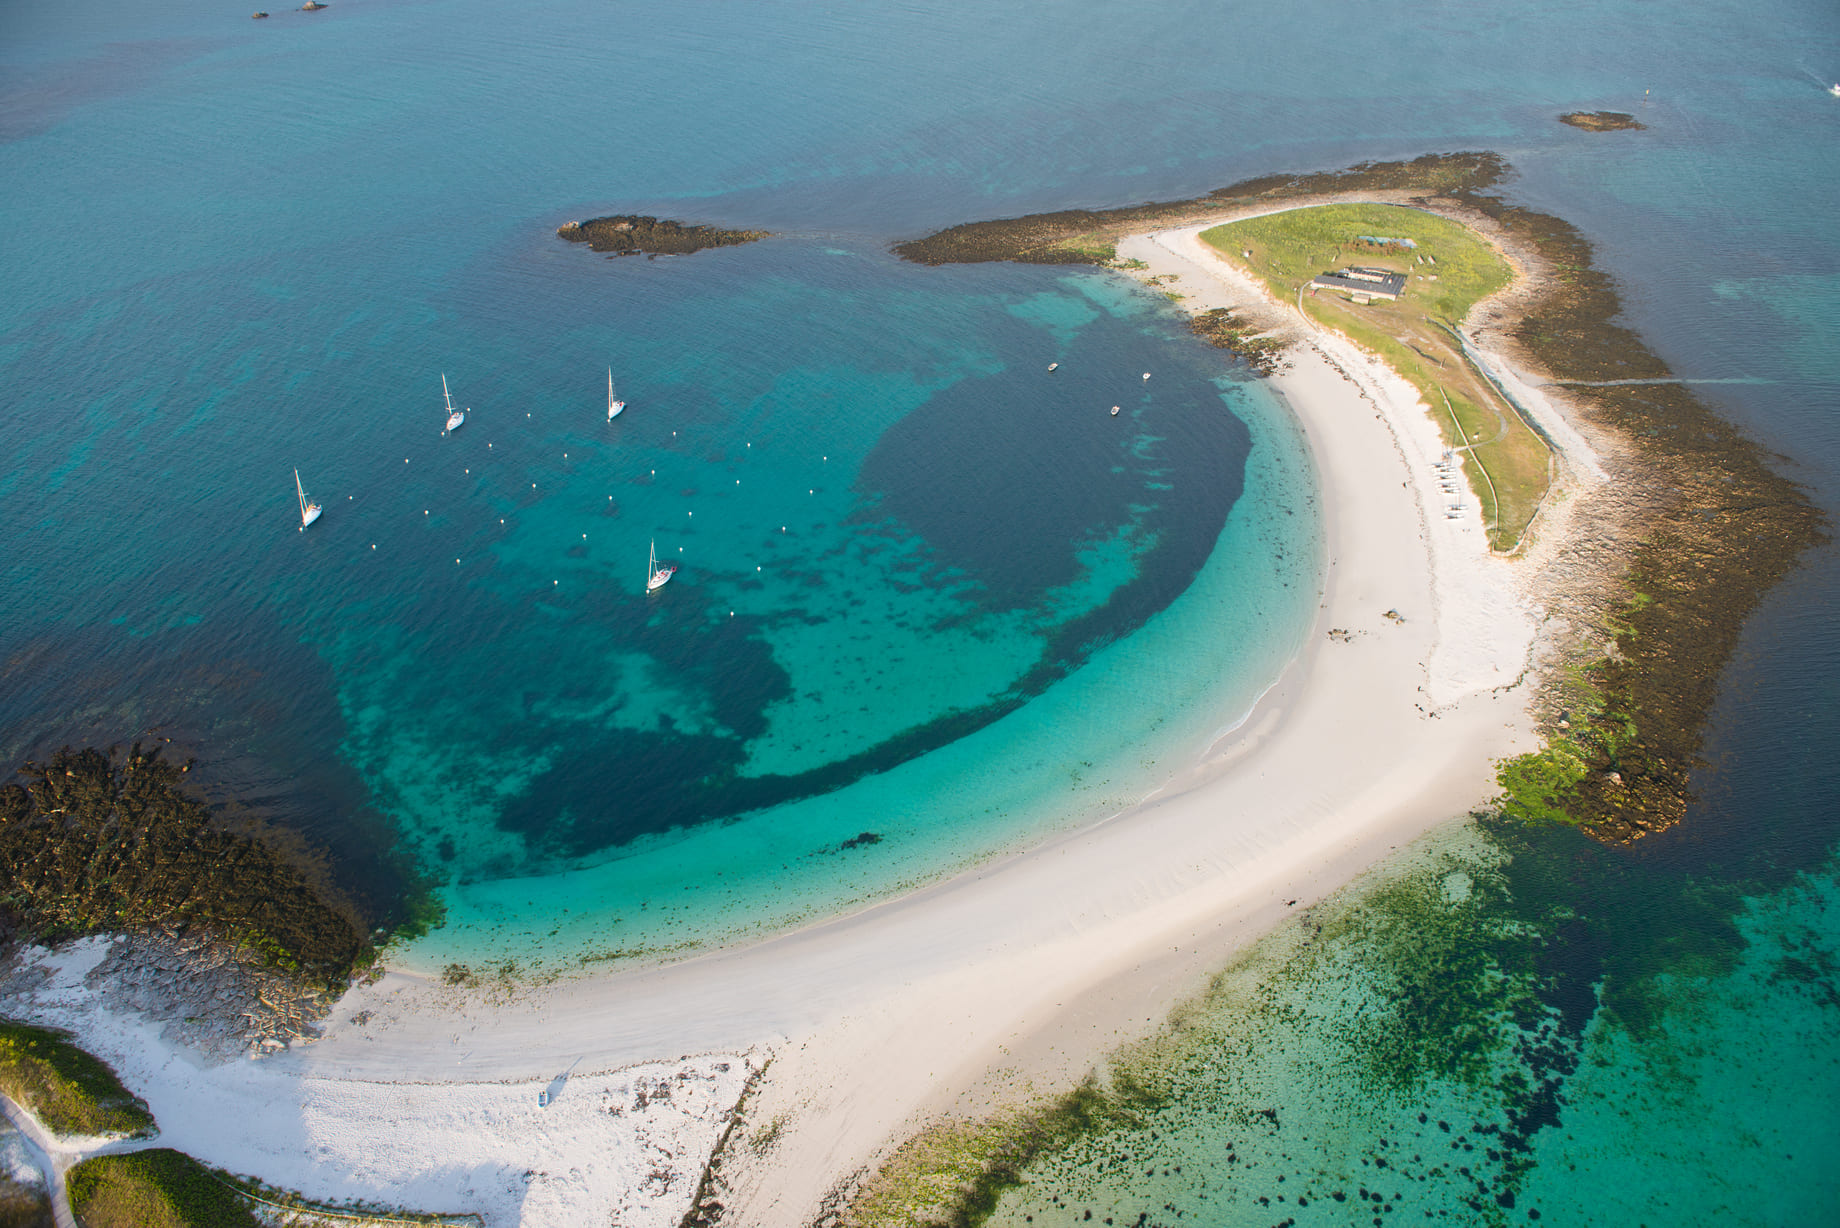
1016, 975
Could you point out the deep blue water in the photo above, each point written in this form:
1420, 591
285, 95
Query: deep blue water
928, 590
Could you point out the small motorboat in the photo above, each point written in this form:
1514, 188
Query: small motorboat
1053, 366
1114, 411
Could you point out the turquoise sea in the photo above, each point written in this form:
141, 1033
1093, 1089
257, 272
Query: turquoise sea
929, 592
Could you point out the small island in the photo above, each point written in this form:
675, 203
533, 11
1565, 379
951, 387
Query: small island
631, 234
1601, 121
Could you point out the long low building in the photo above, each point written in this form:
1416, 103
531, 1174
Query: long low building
1373, 283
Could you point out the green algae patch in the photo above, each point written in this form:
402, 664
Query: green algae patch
156, 1188
71, 1092
953, 1174
1414, 1036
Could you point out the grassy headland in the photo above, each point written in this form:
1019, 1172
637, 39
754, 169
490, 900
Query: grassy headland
1710, 526
156, 1188
1449, 268
68, 1090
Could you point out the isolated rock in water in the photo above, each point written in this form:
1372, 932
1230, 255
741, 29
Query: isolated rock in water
630, 234
1601, 121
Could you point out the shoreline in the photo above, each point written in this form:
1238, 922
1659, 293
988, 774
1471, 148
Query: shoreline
1010, 978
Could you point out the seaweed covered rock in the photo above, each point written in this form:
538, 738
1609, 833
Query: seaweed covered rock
1602, 121
1261, 352
91, 842
631, 234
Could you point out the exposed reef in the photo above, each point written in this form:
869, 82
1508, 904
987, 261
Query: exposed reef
1086, 236
94, 842
631, 234
1260, 351
1602, 121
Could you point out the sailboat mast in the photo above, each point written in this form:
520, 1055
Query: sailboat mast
445, 393
300, 494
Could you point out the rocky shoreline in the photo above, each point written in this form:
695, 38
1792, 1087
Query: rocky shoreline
208, 996
632, 234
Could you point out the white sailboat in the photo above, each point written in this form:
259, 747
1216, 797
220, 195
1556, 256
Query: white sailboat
309, 512
613, 407
455, 417
655, 576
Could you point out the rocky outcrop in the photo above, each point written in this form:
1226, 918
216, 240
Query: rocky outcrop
1601, 121
631, 234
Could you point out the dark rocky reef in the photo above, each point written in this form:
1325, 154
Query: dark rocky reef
631, 234
1601, 121
1261, 352
94, 842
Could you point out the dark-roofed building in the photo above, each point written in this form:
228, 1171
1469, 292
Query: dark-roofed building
1368, 283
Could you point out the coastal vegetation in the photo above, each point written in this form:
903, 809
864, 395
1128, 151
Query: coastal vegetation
95, 842
631, 234
70, 1091
155, 1188
1472, 978
1448, 269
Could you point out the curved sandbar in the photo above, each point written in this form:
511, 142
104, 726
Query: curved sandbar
1000, 981
1036, 963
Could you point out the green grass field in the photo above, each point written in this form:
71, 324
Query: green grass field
1448, 270
156, 1188
69, 1091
